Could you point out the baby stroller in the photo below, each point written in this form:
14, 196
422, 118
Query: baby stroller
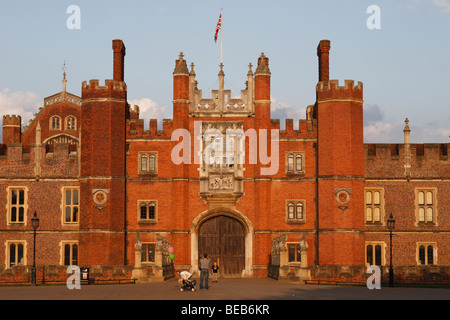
186, 282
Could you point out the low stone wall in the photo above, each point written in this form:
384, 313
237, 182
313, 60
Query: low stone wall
58, 274
429, 275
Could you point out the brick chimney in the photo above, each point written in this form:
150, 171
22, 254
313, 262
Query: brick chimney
323, 52
119, 60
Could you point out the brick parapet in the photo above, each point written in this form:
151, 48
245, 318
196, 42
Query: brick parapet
332, 90
388, 161
61, 160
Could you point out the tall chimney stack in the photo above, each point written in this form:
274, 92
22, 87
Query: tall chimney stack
119, 60
323, 52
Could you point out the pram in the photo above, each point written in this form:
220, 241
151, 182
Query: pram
185, 281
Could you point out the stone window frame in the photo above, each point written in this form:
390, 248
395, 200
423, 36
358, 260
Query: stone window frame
62, 246
9, 205
295, 155
63, 205
55, 126
66, 122
148, 155
147, 203
373, 206
297, 253
7, 251
382, 244
426, 206
426, 245
146, 245
295, 203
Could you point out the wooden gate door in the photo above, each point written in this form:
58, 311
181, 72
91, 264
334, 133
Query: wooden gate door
223, 238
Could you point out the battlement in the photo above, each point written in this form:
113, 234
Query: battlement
392, 161
12, 120
134, 113
38, 161
135, 128
419, 152
111, 89
109, 85
306, 128
331, 90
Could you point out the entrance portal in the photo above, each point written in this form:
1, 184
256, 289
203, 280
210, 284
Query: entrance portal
223, 239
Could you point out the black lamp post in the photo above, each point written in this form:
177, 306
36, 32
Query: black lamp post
391, 226
34, 225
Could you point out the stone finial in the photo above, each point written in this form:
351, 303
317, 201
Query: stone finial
64, 81
180, 66
250, 72
263, 65
406, 125
192, 73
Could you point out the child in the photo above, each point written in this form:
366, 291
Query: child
215, 270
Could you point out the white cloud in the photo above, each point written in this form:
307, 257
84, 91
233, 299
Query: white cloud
24, 104
377, 129
282, 110
443, 5
148, 109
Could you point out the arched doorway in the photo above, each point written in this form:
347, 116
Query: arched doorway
223, 239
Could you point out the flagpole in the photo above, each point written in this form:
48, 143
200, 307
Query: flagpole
221, 38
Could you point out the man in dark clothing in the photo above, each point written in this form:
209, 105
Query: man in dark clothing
204, 271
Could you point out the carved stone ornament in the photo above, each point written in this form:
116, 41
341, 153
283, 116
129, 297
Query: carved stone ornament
342, 195
279, 244
138, 245
303, 244
162, 243
100, 196
218, 182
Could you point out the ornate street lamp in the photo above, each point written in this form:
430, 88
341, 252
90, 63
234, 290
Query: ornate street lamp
391, 226
34, 225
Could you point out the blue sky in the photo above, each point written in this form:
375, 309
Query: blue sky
404, 66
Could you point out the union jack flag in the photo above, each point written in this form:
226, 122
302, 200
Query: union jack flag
219, 27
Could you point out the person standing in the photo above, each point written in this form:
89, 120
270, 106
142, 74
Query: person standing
204, 272
215, 272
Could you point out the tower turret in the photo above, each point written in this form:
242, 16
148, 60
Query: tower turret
12, 129
262, 92
103, 170
340, 168
180, 93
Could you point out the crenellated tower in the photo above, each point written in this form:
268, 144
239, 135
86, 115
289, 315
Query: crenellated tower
12, 129
340, 163
103, 168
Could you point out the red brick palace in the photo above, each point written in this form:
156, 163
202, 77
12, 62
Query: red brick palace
311, 203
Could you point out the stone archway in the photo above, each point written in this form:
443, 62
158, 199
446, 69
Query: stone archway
234, 218
223, 239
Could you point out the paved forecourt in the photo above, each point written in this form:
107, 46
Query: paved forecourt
225, 289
